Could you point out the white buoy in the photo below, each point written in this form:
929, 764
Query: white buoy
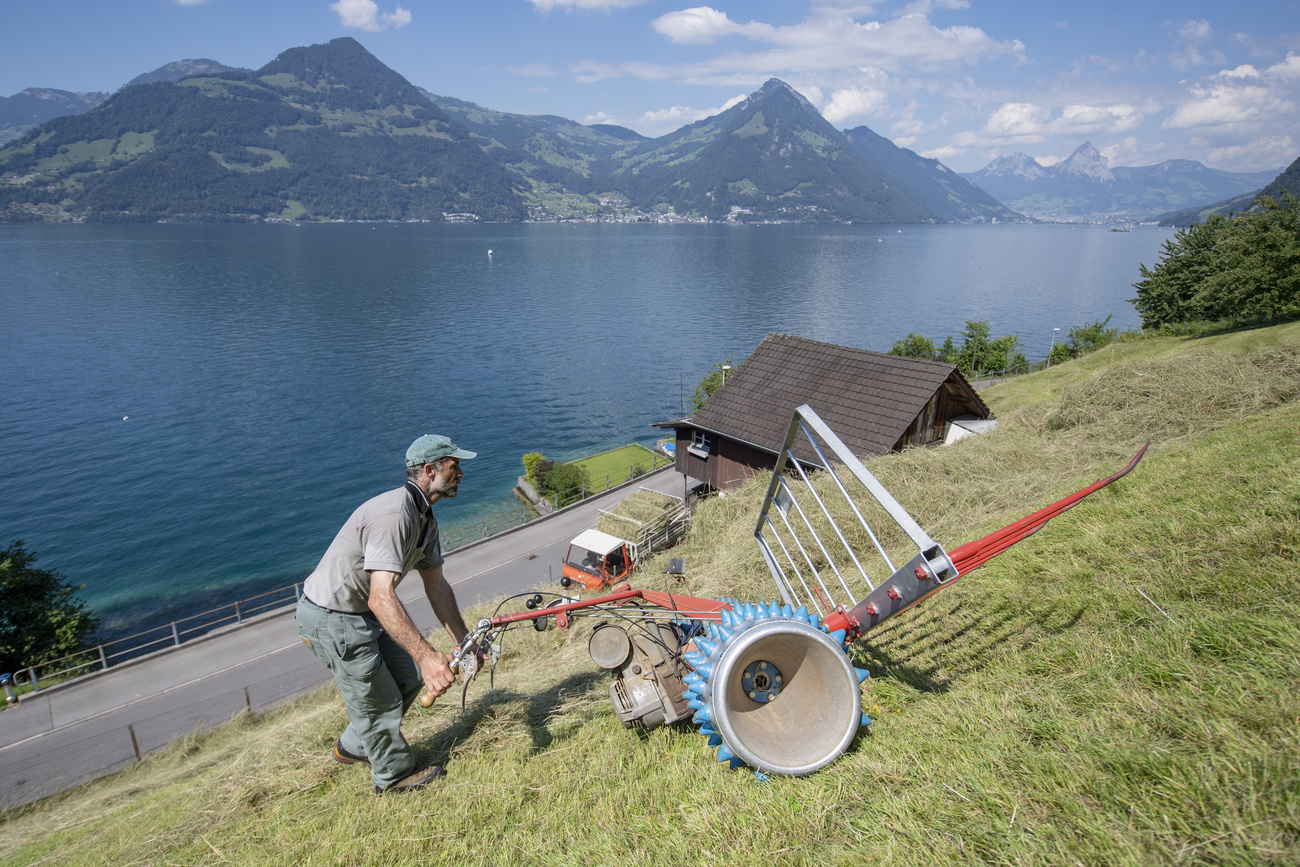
125, 417
489, 252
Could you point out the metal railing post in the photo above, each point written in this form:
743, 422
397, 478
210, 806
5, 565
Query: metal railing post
176, 636
103, 660
238, 617
31, 675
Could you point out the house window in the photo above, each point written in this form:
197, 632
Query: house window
701, 445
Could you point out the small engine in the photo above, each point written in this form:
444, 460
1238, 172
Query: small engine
646, 658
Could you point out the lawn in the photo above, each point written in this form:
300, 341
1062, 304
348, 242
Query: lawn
617, 465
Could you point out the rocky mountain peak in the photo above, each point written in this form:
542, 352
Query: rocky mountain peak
1088, 163
1017, 165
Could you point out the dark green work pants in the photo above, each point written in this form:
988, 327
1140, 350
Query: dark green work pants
378, 679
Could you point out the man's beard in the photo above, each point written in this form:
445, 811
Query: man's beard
445, 490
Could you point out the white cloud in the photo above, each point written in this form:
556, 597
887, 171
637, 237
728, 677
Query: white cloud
1239, 101
704, 24
365, 15
591, 71
545, 6
925, 7
854, 102
1196, 31
1264, 153
665, 120
189, 2
533, 70
831, 41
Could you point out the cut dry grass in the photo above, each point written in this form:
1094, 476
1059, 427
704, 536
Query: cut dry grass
1118, 689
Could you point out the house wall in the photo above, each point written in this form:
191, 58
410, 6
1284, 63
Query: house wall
729, 463
931, 424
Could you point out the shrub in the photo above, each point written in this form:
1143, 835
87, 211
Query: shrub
531, 460
567, 483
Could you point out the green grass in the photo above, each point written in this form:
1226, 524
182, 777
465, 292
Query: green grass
617, 464
1119, 689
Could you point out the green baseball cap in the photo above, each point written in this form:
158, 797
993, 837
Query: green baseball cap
432, 447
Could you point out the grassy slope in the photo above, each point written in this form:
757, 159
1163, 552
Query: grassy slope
1042, 711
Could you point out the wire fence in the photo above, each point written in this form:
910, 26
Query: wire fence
33, 677
36, 769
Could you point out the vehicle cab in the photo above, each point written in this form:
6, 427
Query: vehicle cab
597, 559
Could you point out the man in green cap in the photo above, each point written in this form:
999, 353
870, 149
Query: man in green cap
351, 618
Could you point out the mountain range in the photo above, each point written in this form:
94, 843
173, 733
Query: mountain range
34, 106
1084, 187
330, 132
1289, 180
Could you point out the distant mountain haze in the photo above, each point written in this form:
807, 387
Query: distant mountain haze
1085, 188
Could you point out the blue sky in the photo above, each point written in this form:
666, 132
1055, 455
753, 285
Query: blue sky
963, 81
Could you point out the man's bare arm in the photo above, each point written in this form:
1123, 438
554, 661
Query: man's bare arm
397, 623
443, 600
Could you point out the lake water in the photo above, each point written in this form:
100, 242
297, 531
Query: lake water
189, 412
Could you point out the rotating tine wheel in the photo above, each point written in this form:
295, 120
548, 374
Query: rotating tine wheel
772, 690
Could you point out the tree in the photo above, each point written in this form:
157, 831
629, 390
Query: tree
1258, 267
915, 346
980, 351
1083, 339
40, 618
1171, 292
711, 382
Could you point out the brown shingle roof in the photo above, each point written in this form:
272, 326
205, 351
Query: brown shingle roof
868, 398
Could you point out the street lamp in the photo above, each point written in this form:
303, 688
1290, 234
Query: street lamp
1049, 352
725, 368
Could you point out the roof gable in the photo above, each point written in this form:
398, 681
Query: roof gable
868, 398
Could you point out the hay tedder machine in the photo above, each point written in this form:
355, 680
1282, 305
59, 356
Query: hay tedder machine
770, 684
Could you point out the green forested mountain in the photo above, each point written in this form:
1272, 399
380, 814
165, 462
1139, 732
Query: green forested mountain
179, 70
321, 132
35, 105
929, 182
329, 132
560, 164
773, 157
1288, 180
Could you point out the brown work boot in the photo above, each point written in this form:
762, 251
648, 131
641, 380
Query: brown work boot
345, 757
414, 780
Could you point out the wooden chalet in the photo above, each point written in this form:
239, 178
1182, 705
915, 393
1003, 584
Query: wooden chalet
875, 403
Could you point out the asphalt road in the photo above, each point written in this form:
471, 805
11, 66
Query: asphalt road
84, 729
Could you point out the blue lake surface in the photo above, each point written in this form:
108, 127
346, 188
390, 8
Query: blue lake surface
190, 412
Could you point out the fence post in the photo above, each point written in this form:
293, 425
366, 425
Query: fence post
297, 592
248, 702
103, 660
238, 617
135, 744
176, 636
31, 675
